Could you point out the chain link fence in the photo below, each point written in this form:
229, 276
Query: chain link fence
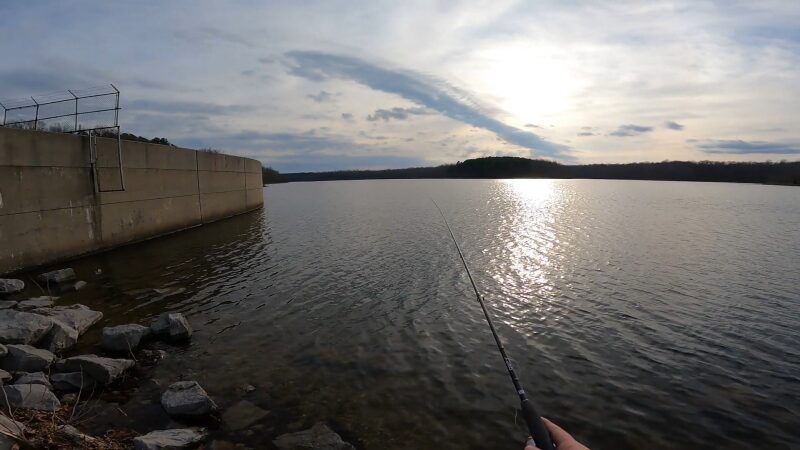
69, 111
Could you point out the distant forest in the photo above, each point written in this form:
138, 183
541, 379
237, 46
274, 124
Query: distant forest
784, 173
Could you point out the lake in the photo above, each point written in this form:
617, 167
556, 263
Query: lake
639, 314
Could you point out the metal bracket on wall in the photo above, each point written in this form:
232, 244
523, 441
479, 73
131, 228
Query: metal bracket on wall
93, 161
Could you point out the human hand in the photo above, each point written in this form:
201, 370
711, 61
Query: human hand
561, 439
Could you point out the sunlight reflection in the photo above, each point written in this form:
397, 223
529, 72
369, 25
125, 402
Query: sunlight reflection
529, 225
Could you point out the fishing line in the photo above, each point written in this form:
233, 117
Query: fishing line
532, 418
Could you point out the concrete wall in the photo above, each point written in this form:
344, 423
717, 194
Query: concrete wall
50, 207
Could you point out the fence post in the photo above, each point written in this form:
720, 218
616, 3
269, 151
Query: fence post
36, 119
76, 109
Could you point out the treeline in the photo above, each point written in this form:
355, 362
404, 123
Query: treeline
787, 173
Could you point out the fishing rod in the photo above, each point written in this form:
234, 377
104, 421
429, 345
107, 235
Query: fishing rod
532, 418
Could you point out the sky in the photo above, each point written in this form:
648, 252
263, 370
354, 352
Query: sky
330, 85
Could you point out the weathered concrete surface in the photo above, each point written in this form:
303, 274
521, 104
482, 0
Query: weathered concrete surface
51, 211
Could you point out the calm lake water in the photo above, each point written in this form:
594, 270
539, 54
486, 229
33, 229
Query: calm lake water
639, 314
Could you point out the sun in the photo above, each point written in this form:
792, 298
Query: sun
531, 84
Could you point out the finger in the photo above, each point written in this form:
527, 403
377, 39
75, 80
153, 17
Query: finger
558, 434
528, 447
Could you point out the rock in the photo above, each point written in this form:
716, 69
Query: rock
79, 317
3, 350
11, 286
187, 398
24, 358
78, 285
17, 327
34, 378
248, 388
75, 435
60, 337
242, 415
33, 303
123, 338
8, 304
104, 370
9, 427
172, 327
175, 439
319, 437
57, 276
68, 399
31, 396
4, 376
72, 381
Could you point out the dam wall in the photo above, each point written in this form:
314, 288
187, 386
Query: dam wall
62, 196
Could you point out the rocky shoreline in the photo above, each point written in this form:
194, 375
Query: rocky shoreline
42, 389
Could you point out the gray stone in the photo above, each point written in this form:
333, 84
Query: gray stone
4, 376
172, 327
61, 337
187, 398
176, 439
34, 378
33, 303
242, 415
104, 370
57, 276
10, 427
17, 327
72, 382
77, 316
3, 350
11, 286
8, 304
75, 435
68, 399
31, 396
123, 338
24, 358
78, 285
319, 437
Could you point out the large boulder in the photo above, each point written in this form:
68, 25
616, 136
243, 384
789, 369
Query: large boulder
17, 327
171, 327
31, 396
187, 398
11, 286
123, 338
61, 337
319, 437
34, 378
175, 439
104, 370
57, 276
72, 382
24, 358
76, 316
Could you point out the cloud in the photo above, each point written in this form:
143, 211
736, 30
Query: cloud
422, 90
186, 107
322, 97
673, 125
586, 133
531, 125
630, 130
396, 113
739, 147
347, 117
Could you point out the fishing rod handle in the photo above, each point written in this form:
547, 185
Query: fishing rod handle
535, 425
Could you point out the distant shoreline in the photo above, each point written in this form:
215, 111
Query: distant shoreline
778, 173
